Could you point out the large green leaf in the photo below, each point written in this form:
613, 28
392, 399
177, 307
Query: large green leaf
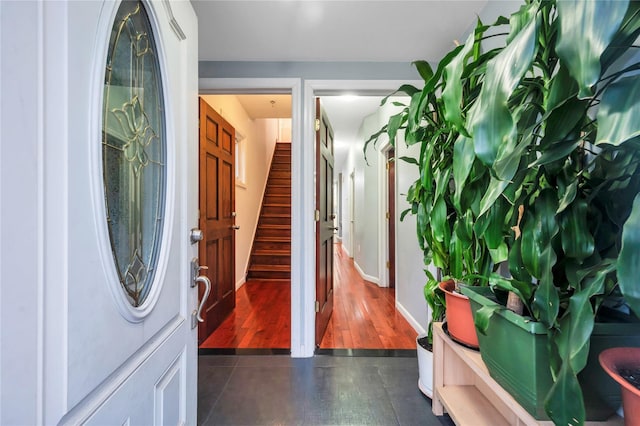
625, 36
424, 69
463, 157
430, 86
564, 403
426, 177
562, 125
577, 241
586, 29
456, 250
563, 88
629, 258
490, 119
483, 315
494, 230
509, 158
619, 111
438, 220
495, 189
576, 328
516, 266
539, 227
412, 126
520, 19
546, 301
452, 92
567, 195
395, 122
442, 178
556, 152
572, 342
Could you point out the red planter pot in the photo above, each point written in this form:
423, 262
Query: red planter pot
614, 359
459, 316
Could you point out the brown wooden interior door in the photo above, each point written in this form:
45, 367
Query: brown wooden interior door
217, 216
391, 216
325, 224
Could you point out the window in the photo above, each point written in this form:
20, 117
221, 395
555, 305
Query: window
134, 150
240, 159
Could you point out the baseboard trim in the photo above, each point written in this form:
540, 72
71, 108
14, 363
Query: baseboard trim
410, 319
241, 282
364, 276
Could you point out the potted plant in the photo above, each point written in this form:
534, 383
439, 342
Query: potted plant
623, 365
541, 135
555, 123
424, 343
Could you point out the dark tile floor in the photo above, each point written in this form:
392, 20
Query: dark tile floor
323, 390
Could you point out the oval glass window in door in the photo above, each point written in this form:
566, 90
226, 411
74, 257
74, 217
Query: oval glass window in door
134, 150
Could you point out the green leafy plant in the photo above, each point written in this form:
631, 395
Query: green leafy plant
556, 124
529, 152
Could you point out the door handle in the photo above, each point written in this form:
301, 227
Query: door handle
207, 289
196, 235
235, 227
196, 278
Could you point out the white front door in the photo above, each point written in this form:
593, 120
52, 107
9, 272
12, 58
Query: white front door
112, 340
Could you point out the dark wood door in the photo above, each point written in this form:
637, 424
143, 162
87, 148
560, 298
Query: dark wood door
217, 216
391, 216
324, 222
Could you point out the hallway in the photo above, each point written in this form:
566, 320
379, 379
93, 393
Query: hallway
364, 315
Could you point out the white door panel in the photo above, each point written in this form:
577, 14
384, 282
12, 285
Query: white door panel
104, 363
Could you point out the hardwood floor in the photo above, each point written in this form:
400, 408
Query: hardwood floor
262, 318
364, 315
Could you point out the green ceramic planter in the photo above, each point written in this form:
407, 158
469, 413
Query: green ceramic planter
515, 353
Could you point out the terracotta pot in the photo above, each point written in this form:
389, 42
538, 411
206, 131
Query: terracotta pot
612, 360
459, 316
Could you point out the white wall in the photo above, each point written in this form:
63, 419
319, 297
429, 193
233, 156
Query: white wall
410, 276
260, 136
369, 191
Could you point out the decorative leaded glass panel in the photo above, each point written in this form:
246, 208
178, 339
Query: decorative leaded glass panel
134, 150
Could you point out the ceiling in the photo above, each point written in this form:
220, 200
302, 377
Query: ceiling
266, 106
334, 30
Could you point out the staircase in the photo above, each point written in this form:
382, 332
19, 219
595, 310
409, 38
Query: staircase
271, 252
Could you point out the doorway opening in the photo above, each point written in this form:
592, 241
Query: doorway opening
365, 314
261, 320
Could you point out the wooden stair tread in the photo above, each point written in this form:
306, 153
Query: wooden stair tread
272, 252
274, 238
266, 268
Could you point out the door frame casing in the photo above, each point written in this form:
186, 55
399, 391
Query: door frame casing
383, 208
303, 93
302, 202
319, 88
